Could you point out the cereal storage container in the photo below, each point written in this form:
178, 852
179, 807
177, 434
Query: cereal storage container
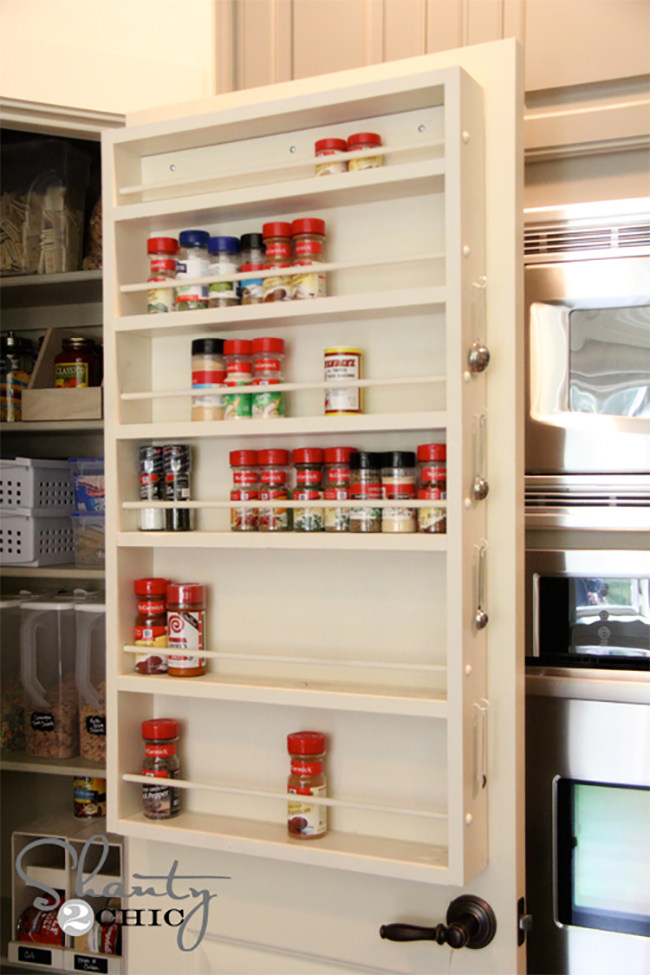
91, 679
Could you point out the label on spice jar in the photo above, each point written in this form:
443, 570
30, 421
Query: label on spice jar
338, 476
273, 519
340, 366
246, 477
366, 162
309, 477
278, 288
308, 285
237, 406
307, 818
159, 299
223, 289
161, 801
243, 519
192, 267
151, 636
336, 519
151, 663
307, 519
185, 631
208, 377
268, 404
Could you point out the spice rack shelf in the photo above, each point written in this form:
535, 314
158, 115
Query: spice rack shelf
409, 596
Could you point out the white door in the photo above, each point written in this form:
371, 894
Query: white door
440, 752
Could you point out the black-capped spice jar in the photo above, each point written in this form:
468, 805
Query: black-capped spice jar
246, 480
208, 370
151, 625
177, 467
306, 820
365, 485
160, 762
152, 488
273, 486
398, 484
186, 629
337, 488
308, 464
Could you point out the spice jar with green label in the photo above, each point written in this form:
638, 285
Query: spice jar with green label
308, 462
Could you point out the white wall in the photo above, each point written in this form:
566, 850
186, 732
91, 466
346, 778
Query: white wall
107, 55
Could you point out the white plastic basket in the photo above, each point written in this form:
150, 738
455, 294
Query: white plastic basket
41, 486
25, 540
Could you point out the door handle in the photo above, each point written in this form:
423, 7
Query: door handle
471, 923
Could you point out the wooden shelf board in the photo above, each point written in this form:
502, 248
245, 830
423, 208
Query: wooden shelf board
407, 701
36, 290
21, 762
300, 541
279, 199
67, 571
336, 308
51, 426
285, 426
346, 851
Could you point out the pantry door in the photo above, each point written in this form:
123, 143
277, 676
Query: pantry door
276, 916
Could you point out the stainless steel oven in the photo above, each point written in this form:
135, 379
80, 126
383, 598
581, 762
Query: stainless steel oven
587, 285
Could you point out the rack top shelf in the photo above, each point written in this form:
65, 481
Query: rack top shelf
71, 288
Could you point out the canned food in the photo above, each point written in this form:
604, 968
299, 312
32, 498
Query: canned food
89, 797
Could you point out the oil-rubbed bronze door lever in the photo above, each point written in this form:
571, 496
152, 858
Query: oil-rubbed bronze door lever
471, 923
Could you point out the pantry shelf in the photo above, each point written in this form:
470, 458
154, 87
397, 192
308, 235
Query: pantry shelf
21, 762
66, 571
334, 309
307, 541
50, 426
279, 199
383, 857
285, 426
407, 701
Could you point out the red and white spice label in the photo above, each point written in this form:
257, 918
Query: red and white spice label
185, 633
307, 818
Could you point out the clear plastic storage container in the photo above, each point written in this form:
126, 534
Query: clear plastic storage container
91, 679
89, 541
88, 477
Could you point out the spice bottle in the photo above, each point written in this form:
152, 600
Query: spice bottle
252, 249
160, 762
364, 140
185, 629
239, 372
177, 467
342, 363
432, 520
278, 243
151, 624
192, 262
308, 242
246, 478
252, 289
208, 369
308, 462
398, 484
365, 484
330, 147
162, 267
151, 488
273, 478
337, 488
306, 820
268, 354
224, 259
76, 363
432, 464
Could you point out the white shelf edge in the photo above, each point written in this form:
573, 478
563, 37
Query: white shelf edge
399, 859
335, 308
300, 541
285, 426
320, 191
20, 762
312, 694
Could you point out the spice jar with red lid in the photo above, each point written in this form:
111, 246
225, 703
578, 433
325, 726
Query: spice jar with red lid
278, 236
274, 477
239, 372
186, 629
364, 140
246, 478
160, 762
308, 462
151, 624
306, 820
330, 147
337, 488
268, 353
432, 520
308, 242
162, 266
432, 464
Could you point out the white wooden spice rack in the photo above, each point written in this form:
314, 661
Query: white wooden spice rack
293, 616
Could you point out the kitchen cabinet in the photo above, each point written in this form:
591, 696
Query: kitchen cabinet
423, 801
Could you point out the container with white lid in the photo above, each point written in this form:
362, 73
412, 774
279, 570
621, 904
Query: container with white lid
91, 679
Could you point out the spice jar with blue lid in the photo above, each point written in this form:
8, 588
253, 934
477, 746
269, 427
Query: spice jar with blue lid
192, 262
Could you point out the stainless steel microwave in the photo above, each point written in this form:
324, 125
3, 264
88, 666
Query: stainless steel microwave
588, 343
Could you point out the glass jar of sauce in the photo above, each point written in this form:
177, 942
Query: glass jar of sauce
76, 363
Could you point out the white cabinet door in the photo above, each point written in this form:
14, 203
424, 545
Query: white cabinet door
426, 782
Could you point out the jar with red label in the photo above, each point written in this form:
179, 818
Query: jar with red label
398, 484
365, 485
186, 630
268, 353
330, 147
308, 463
160, 762
151, 625
279, 254
337, 488
432, 464
308, 244
246, 478
274, 486
306, 820
208, 370
162, 266
432, 520
239, 372
364, 140
76, 365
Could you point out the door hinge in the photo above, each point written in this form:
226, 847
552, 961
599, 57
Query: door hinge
524, 921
